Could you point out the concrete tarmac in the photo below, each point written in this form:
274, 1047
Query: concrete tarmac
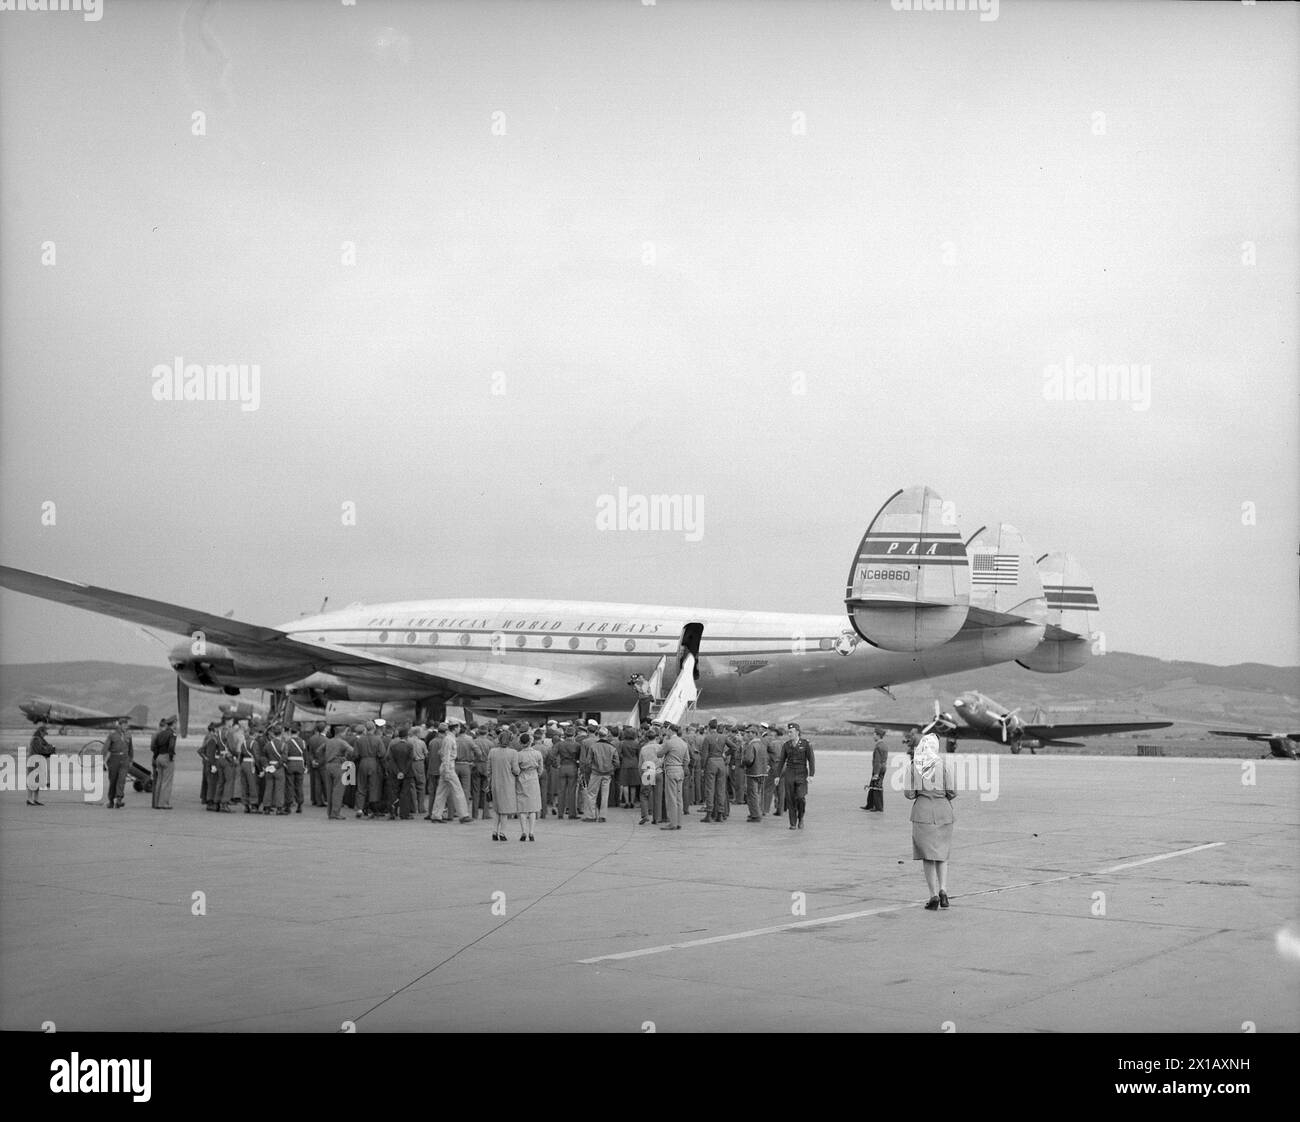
1092, 894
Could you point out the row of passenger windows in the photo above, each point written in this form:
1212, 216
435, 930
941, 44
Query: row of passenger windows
464, 639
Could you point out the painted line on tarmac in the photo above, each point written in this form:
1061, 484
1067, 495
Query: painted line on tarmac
1160, 857
842, 917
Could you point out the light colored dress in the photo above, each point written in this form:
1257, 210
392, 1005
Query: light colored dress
528, 789
503, 766
931, 785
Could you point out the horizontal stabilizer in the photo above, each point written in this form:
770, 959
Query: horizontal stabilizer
1072, 635
910, 583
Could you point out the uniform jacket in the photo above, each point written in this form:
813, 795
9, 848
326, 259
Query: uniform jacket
797, 759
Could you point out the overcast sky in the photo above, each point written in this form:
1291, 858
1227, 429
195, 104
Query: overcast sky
787, 257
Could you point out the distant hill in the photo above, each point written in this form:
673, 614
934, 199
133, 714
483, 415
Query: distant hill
1112, 687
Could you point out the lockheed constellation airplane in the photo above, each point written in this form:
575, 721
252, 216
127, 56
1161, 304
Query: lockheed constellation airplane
920, 601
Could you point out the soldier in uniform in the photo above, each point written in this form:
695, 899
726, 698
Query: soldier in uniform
119, 751
335, 753
714, 754
449, 785
419, 757
245, 786
163, 749
316, 764
566, 754
465, 748
370, 779
272, 761
228, 761
735, 768
755, 761
400, 761
797, 766
209, 752
775, 803
879, 763
295, 768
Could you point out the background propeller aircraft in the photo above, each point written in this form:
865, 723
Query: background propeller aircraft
1282, 744
60, 713
985, 719
920, 602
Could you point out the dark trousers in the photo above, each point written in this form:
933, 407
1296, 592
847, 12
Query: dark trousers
404, 800
754, 794
370, 784
568, 790
118, 768
293, 788
477, 792
715, 787
649, 804
334, 791
876, 794
796, 796
273, 790
318, 794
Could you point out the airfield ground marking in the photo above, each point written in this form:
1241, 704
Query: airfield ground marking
822, 921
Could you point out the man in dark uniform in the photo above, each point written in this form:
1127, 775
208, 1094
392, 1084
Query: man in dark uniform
210, 787
771, 789
465, 750
567, 753
879, 762
295, 768
754, 759
400, 761
713, 752
228, 764
39, 752
334, 754
797, 766
316, 764
119, 751
273, 761
370, 780
163, 749
246, 763
735, 768
480, 780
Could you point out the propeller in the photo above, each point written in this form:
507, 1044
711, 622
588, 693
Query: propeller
1004, 719
183, 705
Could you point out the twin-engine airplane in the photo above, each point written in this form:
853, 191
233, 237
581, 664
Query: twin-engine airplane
921, 601
41, 710
987, 720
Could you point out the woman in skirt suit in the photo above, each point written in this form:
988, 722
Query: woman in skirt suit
931, 785
528, 788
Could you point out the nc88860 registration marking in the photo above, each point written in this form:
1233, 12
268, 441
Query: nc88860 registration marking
884, 574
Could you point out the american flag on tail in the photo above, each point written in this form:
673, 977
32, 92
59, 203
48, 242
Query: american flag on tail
995, 568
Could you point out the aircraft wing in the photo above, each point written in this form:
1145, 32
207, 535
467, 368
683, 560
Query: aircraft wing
1048, 733
1264, 736
962, 732
511, 681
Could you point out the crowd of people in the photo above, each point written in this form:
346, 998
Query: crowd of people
521, 771
509, 770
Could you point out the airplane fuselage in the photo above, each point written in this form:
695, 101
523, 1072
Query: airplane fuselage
586, 652
41, 710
